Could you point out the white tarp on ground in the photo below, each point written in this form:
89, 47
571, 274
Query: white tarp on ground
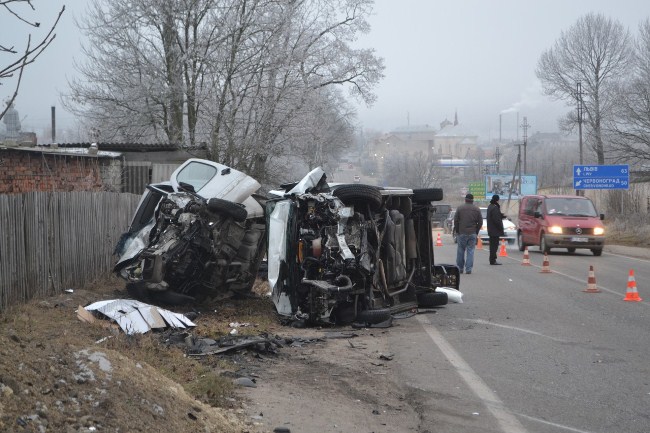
136, 317
453, 295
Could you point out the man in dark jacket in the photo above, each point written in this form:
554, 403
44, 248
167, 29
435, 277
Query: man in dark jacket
494, 227
467, 224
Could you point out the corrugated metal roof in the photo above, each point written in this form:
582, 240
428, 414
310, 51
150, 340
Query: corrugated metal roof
70, 151
120, 147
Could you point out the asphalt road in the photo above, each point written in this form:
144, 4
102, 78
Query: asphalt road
532, 352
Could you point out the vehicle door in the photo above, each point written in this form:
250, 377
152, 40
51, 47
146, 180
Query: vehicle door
528, 223
539, 221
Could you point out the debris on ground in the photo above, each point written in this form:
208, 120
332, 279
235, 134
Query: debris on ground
133, 317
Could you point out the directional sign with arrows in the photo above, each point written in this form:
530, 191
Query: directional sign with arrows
601, 176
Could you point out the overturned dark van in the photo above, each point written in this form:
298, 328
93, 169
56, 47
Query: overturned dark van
344, 253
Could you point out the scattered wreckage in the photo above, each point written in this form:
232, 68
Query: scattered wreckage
337, 253
200, 235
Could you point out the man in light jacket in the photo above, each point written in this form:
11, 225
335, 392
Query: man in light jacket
467, 224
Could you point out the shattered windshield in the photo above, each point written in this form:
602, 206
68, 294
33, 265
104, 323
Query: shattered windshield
570, 207
196, 174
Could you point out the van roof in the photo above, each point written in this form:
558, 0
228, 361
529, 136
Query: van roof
555, 196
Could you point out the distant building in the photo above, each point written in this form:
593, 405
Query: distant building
11, 120
13, 133
452, 141
455, 141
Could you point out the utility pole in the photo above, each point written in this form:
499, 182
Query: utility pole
525, 127
497, 156
580, 103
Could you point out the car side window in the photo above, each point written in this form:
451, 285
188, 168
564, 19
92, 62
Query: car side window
530, 207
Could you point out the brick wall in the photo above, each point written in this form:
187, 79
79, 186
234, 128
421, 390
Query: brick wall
24, 171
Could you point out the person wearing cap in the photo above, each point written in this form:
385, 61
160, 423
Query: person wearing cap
494, 227
467, 224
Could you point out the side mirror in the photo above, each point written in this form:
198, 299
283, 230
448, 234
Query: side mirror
602, 216
186, 187
537, 214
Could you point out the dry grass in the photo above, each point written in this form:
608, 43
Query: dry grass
53, 322
633, 230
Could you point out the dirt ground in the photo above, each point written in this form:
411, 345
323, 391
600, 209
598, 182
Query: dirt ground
59, 374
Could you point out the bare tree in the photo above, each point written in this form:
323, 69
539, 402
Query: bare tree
284, 55
20, 58
144, 67
596, 51
248, 78
630, 130
410, 170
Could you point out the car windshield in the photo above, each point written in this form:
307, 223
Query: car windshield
197, 174
570, 207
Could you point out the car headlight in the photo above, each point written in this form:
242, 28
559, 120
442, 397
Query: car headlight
555, 230
599, 231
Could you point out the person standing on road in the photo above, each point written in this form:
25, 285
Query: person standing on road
494, 227
467, 224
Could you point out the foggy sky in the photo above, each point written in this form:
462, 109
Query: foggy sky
473, 57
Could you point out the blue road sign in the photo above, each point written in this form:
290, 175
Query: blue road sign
601, 176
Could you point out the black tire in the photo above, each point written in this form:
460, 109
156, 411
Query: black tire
359, 194
344, 314
373, 316
543, 247
170, 297
432, 299
520, 241
424, 195
234, 210
571, 250
138, 291
597, 251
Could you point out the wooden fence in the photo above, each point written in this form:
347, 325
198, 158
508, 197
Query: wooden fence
58, 240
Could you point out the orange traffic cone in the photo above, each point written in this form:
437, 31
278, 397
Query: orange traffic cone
439, 240
631, 294
479, 243
526, 260
591, 282
546, 267
503, 252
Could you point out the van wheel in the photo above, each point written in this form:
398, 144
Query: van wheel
354, 194
432, 299
542, 245
520, 241
571, 250
374, 316
597, 251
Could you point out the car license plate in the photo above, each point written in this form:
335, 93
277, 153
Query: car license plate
574, 239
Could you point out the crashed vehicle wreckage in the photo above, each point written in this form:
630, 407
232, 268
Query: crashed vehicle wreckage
337, 253
346, 253
199, 236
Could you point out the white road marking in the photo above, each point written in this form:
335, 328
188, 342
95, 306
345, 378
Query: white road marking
508, 422
514, 328
563, 427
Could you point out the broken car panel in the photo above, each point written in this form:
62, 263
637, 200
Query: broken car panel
344, 253
200, 235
